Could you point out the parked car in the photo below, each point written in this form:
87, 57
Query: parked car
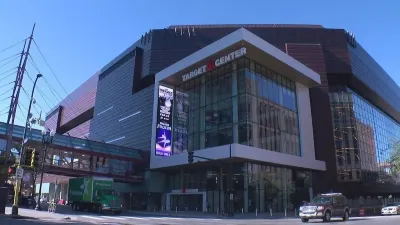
391, 209
325, 207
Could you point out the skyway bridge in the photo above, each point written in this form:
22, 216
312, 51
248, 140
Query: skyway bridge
70, 156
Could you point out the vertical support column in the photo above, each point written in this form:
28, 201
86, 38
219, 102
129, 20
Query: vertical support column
204, 194
202, 112
235, 100
261, 207
246, 188
168, 202
310, 189
221, 191
285, 193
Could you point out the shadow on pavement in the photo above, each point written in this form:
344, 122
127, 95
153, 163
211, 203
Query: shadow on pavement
7, 220
340, 220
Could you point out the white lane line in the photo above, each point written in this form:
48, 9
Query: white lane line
136, 218
160, 218
113, 217
92, 217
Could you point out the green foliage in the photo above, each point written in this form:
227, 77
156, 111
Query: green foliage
395, 158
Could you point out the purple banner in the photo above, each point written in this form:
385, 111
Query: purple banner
164, 121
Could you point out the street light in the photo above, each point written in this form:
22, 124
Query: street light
14, 209
47, 139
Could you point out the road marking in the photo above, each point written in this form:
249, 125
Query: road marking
136, 218
113, 217
92, 217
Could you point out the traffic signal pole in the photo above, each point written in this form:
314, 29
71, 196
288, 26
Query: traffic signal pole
230, 175
14, 209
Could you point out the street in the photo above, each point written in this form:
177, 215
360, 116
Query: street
82, 218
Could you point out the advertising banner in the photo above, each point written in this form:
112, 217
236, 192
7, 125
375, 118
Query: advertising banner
181, 122
164, 121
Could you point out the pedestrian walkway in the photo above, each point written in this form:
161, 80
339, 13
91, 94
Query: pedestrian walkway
127, 218
275, 215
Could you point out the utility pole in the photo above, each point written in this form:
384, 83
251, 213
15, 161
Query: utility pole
15, 97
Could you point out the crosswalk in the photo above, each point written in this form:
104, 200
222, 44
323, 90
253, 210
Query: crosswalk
127, 218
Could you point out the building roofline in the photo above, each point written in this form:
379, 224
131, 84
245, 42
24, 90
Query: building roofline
231, 39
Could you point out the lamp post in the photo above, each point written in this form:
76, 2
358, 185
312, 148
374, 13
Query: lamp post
14, 209
47, 139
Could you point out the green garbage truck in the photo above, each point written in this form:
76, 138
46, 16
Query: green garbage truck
94, 194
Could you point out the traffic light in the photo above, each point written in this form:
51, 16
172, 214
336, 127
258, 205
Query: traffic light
35, 159
28, 157
190, 157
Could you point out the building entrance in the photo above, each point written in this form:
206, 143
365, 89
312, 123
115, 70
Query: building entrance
192, 201
187, 202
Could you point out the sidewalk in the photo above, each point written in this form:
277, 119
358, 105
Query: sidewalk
276, 215
264, 215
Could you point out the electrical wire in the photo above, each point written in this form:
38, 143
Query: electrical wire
6, 91
18, 54
43, 97
5, 109
59, 82
12, 45
7, 76
6, 84
33, 63
9, 71
12, 60
18, 105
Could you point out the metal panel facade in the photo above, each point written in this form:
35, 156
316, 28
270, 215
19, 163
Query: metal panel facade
368, 71
121, 117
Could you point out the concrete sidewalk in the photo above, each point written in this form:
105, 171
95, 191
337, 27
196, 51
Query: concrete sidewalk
275, 215
253, 215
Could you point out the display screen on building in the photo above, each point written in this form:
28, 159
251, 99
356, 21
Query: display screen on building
164, 121
181, 122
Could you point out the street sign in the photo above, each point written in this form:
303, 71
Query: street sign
19, 173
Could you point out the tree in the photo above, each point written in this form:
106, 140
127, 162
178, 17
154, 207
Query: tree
395, 158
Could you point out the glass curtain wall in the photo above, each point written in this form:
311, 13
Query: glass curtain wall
364, 138
241, 102
257, 187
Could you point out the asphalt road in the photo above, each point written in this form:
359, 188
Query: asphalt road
44, 218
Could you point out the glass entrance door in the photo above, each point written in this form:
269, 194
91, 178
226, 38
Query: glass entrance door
193, 202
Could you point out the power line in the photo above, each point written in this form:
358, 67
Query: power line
44, 96
6, 91
12, 45
50, 87
5, 64
7, 84
9, 71
7, 76
5, 98
48, 65
18, 54
18, 105
4, 109
33, 63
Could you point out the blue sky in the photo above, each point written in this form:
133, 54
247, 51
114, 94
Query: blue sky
79, 37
